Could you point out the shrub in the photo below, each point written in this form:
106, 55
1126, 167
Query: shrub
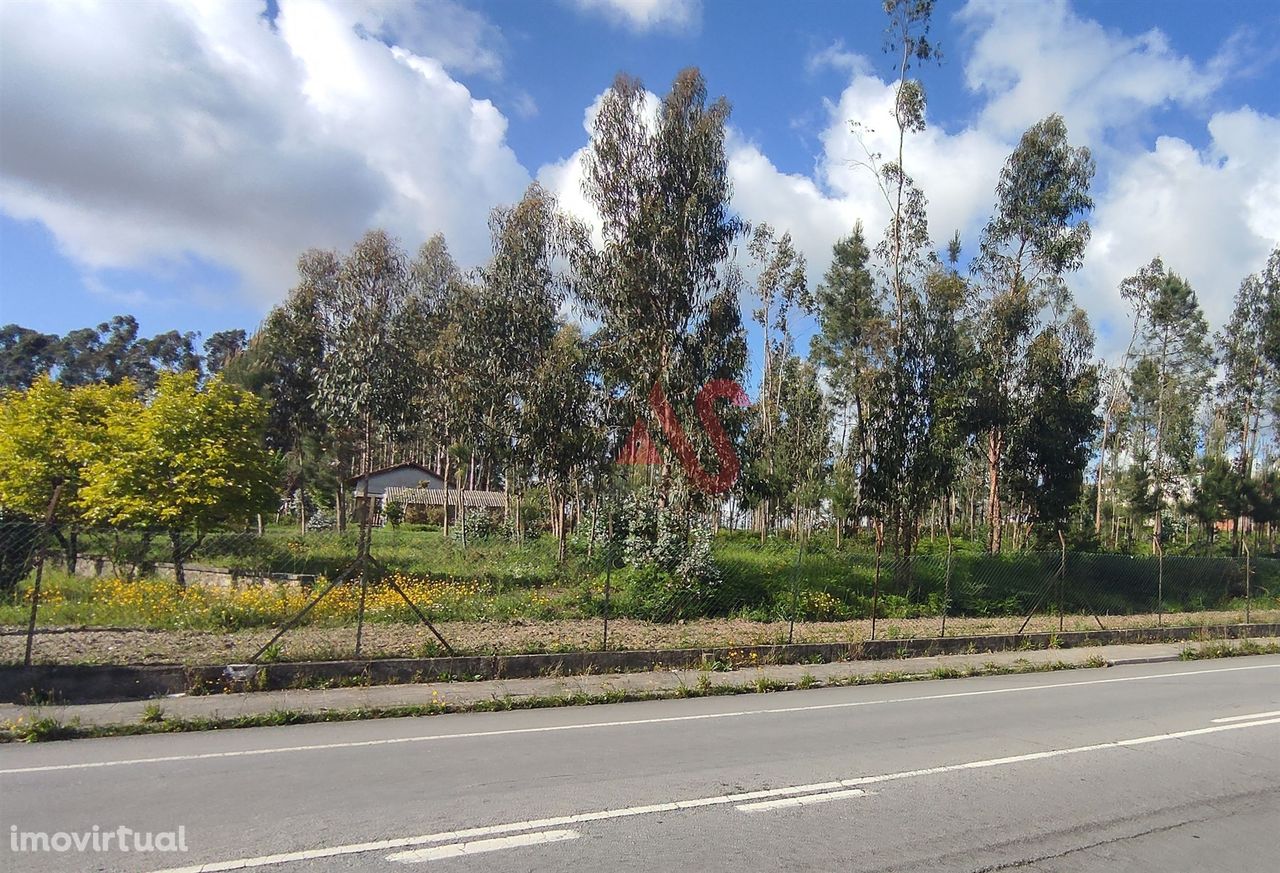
394, 510
428, 516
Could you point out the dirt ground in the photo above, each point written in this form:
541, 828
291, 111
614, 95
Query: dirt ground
109, 646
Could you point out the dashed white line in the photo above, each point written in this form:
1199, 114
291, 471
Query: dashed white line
562, 821
803, 800
476, 847
1231, 718
430, 738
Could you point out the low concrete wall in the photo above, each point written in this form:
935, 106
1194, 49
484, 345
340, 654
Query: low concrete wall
92, 684
98, 566
89, 683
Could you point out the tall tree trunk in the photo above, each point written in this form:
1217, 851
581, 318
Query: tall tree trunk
179, 575
1099, 477
995, 455
448, 459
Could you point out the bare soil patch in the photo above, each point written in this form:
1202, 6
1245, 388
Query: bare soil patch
139, 646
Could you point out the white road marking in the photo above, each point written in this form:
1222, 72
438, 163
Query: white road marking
429, 738
803, 800
457, 850
720, 800
1232, 718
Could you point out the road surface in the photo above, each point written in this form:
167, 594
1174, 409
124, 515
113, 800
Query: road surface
1162, 767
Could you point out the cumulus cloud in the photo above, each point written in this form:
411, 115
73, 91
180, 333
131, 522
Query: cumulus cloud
149, 135
462, 40
144, 134
1212, 214
836, 57
646, 15
1030, 58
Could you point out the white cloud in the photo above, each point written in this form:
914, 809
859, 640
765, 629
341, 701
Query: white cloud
1211, 215
1032, 58
147, 134
462, 40
836, 57
646, 15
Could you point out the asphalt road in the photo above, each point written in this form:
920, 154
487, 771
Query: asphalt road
1162, 767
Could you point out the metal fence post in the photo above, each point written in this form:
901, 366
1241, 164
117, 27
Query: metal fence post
1248, 588
35, 587
608, 578
1159, 582
946, 585
795, 585
1062, 580
875, 585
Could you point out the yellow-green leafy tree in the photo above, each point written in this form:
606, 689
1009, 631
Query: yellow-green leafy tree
192, 460
49, 436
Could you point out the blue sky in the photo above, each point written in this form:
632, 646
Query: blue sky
172, 162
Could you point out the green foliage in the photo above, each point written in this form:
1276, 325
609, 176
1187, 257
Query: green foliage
1034, 347
51, 434
394, 511
667, 308
112, 353
190, 460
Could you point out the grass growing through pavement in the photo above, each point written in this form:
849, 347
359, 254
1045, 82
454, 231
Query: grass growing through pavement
1227, 649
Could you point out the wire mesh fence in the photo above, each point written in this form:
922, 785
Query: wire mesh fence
131, 595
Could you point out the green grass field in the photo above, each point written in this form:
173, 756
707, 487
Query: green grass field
495, 580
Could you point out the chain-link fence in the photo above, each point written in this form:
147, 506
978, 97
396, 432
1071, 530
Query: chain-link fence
219, 597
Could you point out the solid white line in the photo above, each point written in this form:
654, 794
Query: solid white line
673, 806
456, 850
1232, 718
354, 744
803, 800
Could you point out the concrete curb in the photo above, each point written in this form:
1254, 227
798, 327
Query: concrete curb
1124, 662
74, 683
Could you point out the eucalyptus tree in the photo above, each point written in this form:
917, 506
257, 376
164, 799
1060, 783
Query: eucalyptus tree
912, 432
366, 377
445, 335
802, 440
25, 355
1036, 236
561, 408
115, 352
1248, 389
1271, 310
223, 347
1166, 389
779, 289
1135, 292
658, 287
513, 329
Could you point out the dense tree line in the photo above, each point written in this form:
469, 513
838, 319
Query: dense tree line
938, 398
111, 352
